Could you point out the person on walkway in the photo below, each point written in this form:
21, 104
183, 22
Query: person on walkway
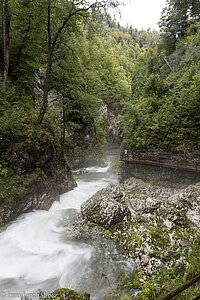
125, 154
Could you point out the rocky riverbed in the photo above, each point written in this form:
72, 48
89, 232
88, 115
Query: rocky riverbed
158, 227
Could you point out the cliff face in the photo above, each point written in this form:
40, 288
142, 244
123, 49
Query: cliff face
38, 192
87, 155
167, 177
36, 178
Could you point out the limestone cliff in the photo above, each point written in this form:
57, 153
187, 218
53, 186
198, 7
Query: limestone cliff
36, 176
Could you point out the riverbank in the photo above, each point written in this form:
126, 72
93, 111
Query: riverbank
158, 227
136, 239
35, 190
43, 250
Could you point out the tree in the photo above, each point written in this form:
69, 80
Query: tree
6, 40
75, 9
176, 18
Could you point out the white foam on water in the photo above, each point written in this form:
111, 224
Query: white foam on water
34, 251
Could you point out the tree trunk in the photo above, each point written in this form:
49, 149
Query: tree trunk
63, 124
51, 48
6, 37
48, 70
23, 44
46, 88
3, 35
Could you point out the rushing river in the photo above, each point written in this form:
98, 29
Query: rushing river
36, 253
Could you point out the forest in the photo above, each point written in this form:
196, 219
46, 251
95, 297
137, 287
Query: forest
75, 79
75, 82
65, 69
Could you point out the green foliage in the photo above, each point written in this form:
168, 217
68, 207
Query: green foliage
100, 64
91, 67
177, 17
164, 109
67, 294
11, 186
166, 280
11, 124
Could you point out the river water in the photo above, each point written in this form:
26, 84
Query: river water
36, 252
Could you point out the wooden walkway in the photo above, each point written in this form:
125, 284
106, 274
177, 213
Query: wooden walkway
165, 163
177, 164
158, 161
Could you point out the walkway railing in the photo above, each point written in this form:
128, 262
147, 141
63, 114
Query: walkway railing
113, 152
162, 162
193, 166
183, 288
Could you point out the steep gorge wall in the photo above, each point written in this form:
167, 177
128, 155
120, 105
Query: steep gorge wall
37, 179
159, 175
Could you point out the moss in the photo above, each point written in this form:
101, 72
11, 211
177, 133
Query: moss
133, 234
162, 239
11, 185
115, 167
159, 236
132, 281
165, 280
67, 294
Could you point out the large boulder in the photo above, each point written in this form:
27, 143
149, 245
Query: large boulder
156, 226
189, 198
106, 208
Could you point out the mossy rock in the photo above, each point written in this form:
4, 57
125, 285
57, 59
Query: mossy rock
115, 167
106, 207
67, 294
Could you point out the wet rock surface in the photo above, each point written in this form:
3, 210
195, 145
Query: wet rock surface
156, 226
41, 188
107, 207
108, 259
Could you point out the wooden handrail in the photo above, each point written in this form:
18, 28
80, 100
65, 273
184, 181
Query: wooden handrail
183, 288
162, 162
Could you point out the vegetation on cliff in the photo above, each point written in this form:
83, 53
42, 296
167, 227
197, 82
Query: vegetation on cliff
163, 110
79, 75
65, 69
67, 294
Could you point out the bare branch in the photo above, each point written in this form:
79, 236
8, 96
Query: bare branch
75, 12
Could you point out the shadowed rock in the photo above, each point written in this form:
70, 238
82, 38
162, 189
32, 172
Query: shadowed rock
106, 207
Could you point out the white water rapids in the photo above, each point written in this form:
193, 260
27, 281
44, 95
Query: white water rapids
36, 253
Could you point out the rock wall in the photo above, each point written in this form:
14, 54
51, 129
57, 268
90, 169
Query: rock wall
38, 189
159, 175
